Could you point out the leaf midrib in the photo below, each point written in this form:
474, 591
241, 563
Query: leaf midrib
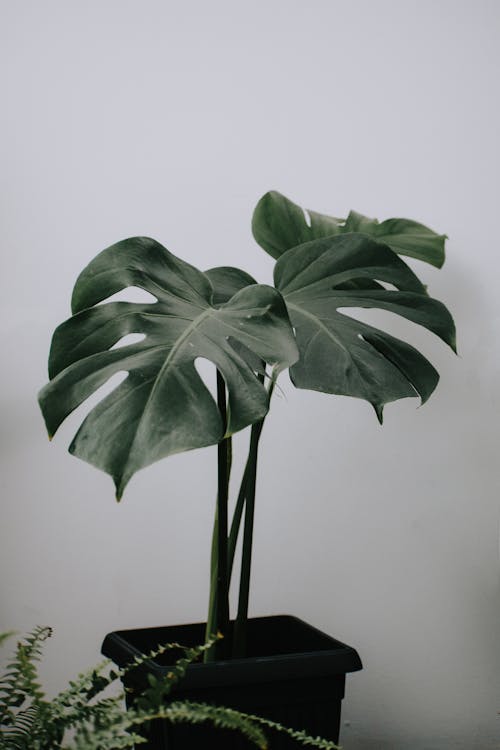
164, 368
319, 323
125, 314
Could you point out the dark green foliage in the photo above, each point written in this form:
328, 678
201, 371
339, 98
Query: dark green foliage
339, 354
163, 406
81, 718
226, 317
325, 266
279, 224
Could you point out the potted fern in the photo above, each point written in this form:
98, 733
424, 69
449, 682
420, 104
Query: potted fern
86, 716
250, 332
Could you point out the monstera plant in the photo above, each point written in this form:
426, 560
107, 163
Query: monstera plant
250, 332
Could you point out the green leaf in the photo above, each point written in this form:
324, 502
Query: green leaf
278, 224
404, 236
163, 406
344, 356
226, 281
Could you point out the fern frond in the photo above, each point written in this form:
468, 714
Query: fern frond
20, 681
86, 686
190, 653
160, 687
29, 722
108, 726
218, 716
296, 734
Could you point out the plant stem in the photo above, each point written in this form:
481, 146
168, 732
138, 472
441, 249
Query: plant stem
211, 626
219, 606
249, 478
222, 500
239, 638
233, 538
236, 522
240, 627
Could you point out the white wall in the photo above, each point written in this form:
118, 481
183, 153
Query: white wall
171, 119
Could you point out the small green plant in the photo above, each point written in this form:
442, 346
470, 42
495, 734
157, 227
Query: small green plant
81, 718
250, 332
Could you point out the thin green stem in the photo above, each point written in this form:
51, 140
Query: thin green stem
222, 501
233, 539
240, 628
211, 626
247, 487
218, 617
236, 522
239, 640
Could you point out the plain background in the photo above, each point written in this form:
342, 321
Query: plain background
170, 119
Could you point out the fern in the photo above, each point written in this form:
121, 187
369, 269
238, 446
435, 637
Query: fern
80, 718
218, 716
21, 679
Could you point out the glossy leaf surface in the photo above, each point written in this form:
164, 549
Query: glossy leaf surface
226, 281
278, 224
163, 406
339, 354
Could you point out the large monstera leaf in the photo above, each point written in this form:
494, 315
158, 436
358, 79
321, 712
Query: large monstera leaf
163, 406
339, 354
279, 224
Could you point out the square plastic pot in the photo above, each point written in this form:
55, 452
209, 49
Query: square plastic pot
293, 674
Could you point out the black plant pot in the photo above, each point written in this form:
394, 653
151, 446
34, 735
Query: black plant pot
294, 674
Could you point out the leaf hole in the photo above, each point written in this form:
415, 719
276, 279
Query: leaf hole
307, 217
75, 419
110, 385
395, 325
130, 338
131, 294
207, 372
387, 286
